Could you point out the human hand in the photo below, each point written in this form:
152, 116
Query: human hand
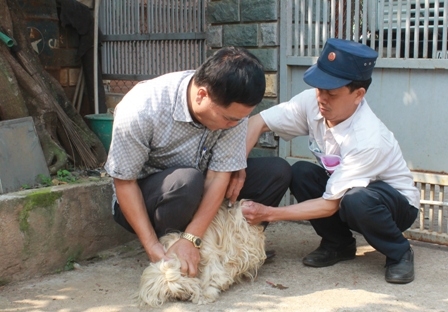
156, 253
188, 255
253, 212
235, 185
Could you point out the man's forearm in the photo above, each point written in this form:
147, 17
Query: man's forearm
255, 128
256, 213
214, 191
307, 210
133, 207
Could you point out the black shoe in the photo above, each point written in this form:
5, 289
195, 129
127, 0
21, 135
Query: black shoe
270, 254
403, 271
322, 257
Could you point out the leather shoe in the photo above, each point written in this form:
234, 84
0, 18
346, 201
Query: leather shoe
403, 271
270, 254
322, 257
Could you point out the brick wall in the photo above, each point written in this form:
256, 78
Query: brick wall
254, 25
69, 64
56, 45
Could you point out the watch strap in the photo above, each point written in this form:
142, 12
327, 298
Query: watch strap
192, 238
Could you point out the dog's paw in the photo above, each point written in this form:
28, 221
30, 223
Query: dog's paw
203, 300
208, 295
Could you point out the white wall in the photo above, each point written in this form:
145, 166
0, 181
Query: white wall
413, 103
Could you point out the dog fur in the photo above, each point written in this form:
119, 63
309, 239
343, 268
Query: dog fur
231, 251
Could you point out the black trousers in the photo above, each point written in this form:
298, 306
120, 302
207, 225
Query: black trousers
378, 212
172, 196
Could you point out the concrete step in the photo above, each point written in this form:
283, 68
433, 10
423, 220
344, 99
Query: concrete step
46, 230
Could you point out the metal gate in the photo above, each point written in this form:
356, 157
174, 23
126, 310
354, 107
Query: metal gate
142, 39
407, 92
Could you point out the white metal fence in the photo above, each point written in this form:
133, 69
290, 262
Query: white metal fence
408, 90
147, 38
410, 29
432, 222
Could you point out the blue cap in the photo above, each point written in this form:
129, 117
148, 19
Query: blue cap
341, 62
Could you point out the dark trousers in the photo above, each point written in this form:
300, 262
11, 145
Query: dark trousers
378, 212
173, 195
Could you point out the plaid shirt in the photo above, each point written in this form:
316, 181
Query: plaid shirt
153, 130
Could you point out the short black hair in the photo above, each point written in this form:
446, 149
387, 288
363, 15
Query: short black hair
354, 85
232, 74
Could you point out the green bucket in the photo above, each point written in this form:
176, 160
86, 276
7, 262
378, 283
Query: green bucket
101, 125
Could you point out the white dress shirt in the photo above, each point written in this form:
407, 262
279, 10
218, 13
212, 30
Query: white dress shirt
369, 151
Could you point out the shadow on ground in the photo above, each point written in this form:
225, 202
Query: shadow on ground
283, 283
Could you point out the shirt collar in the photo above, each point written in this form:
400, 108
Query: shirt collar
180, 110
340, 131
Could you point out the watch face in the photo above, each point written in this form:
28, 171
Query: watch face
197, 242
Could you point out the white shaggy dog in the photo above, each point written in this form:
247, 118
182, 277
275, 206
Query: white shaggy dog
231, 250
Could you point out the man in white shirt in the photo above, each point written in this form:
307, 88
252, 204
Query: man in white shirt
361, 181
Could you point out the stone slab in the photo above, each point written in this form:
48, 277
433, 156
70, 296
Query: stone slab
21, 156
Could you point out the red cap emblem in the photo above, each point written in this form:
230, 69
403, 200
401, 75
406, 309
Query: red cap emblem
331, 56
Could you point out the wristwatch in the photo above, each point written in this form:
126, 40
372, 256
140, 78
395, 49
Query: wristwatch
197, 241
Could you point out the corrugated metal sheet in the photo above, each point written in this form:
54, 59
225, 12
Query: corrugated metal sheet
143, 39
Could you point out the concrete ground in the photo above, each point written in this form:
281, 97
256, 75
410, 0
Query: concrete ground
283, 283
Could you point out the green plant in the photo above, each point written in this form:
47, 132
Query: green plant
71, 261
43, 198
70, 264
44, 180
65, 176
26, 186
